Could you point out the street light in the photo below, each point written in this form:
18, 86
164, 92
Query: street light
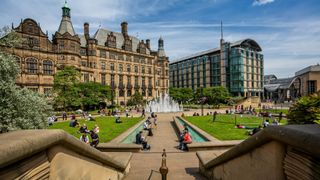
201, 91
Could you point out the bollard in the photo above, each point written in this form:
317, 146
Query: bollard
164, 169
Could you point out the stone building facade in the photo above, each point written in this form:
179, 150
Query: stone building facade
237, 66
122, 61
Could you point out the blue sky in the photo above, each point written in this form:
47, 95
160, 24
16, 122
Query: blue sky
287, 30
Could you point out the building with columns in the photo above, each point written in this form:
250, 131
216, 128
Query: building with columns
237, 66
124, 62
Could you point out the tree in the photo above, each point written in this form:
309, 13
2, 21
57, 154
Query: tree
306, 110
136, 99
214, 95
66, 92
92, 94
19, 108
181, 94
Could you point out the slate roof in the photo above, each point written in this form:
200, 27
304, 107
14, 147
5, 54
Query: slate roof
66, 26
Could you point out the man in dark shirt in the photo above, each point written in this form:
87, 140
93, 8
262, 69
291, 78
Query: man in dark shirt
138, 137
95, 139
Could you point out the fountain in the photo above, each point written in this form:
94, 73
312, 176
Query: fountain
163, 104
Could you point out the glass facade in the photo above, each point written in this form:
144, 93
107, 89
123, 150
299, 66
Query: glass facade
239, 68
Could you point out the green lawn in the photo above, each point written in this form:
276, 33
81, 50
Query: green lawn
108, 128
224, 126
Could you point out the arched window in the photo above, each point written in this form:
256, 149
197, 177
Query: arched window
32, 65
47, 67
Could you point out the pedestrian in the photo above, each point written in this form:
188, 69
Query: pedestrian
214, 116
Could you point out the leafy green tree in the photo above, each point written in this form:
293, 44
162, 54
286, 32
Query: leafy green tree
181, 94
136, 99
65, 89
214, 95
306, 110
19, 108
92, 93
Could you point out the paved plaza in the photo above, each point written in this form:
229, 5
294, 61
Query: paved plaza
182, 165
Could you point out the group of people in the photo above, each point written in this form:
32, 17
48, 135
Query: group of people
147, 126
93, 134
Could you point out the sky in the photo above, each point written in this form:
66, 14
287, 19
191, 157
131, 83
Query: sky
288, 31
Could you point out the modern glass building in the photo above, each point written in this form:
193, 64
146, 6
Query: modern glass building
237, 66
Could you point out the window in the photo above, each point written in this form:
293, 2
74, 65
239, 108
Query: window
47, 67
34, 89
128, 80
83, 52
103, 65
149, 70
120, 79
129, 93
61, 45
103, 79
73, 46
312, 87
86, 77
143, 69
121, 93
32, 66
112, 66
150, 92
112, 80
136, 80
112, 56
47, 91
128, 68
143, 92
136, 70
120, 67
103, 54
143, 81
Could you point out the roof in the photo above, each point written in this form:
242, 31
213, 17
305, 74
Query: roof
102, 34
66, 26
312, 68
244, 42
282, 83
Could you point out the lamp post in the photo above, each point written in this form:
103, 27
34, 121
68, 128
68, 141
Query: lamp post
201, 91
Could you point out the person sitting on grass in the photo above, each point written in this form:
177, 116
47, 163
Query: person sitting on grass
266, 123
90, 118
84, 138
74, 123
118, 120
96, 129
95, 139
83, 129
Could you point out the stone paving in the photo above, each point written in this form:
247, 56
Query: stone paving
182, 165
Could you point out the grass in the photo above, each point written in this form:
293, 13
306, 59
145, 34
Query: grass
108, 128
275, 111
224, 126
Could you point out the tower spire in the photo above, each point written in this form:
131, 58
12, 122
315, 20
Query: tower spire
221, 30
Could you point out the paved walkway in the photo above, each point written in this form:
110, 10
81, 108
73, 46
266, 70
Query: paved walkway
182, 165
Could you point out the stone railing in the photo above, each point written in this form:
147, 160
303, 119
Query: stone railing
56, 154
277, 152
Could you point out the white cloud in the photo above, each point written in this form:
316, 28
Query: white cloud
261, 2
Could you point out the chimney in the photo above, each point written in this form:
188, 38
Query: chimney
86, 30
148, 43
124, 28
